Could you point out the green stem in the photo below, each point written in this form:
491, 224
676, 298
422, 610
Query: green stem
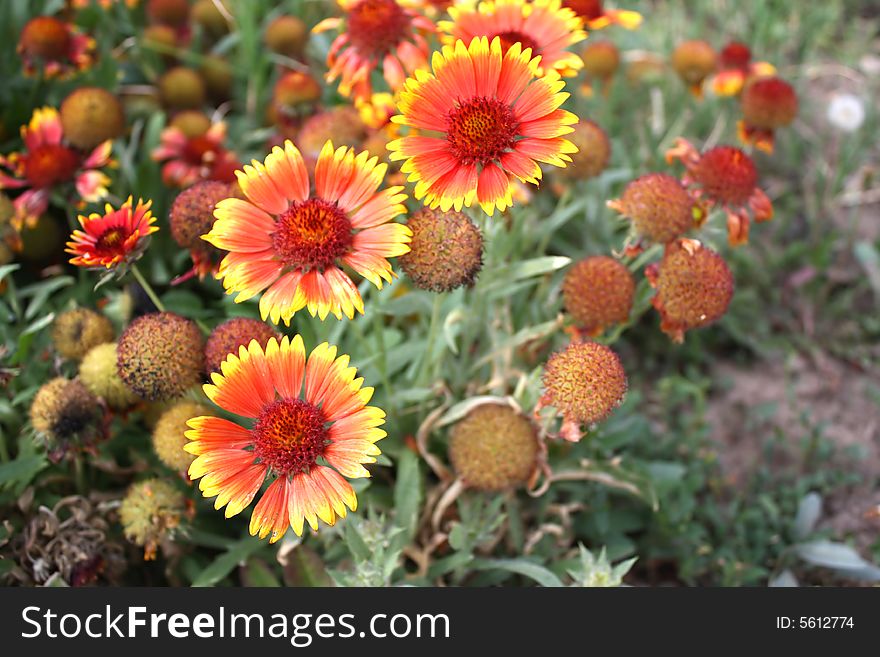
79, 474
4, 451
433, 328
148, 288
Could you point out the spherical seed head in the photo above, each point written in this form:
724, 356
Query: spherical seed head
769, 103
192, 123
64, 413
206, 15
598, 293
217, 74
159, 35
296, 88
160, 356
601, 59
694, 61
594, 151
150, 512
446, 251
494, 448
168, 12
99, 375
232, 334
287, 35
659, 206
169, 438
694, 287
91, 115
192, 214
76, 331
727, 175
341, 125
45, 37
584, 382
182, 88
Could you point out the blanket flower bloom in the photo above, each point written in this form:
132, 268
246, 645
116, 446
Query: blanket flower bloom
596, 16
767, 104
55, 48
199, 156
544, 26
493, 120
114, 238
735, 68
375, 33
293, 242
311, 429
48, 162
726, 177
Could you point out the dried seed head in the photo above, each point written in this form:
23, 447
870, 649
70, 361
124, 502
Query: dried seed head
99, 375
150, 513
659, 206
66, 416
594, 151
91, 115
76, 331
769, 103
598, 293
226, 338
169, 438
446, 251
182, 88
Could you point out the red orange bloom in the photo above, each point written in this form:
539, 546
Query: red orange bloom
767, 104
54, 47
303, 410
47, 163
375, 33
492, 119
725, 176
292, 242
117, 237
200, 157
596, 16
544, 26
736, 68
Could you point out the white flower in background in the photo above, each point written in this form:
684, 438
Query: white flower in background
846, 112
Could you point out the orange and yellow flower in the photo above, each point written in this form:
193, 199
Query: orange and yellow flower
189, 159
544, 26
311, 429
375, 33
736, 68
114, 238
47, 163
293, 242
596, 16
54, 47
488, 121
726, 177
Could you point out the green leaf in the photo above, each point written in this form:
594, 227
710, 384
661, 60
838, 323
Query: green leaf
303, 567
256, 573
524, 567
20, 472
407, 493
8, 269
226, 562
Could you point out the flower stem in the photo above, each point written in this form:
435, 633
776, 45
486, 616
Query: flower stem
433, 328
147, 288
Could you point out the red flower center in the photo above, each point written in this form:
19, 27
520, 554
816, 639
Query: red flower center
290, 435
589, 9
199, 150
50, 164
481, 130
513, 36
727, 175
312, 234
110, 241
377, 26
736, 55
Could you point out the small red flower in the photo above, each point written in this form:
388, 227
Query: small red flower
596, 16
189, 159
767, 104
116, 238
736, 68
54, 47
725, 176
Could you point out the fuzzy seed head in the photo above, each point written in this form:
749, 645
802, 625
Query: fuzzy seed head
769, 103
601, 59
91, 115
659, 206
168, 435
76, 331
287, 35
446, 251
192, 123
192, 214
585, 382
594, 151
694, 61
494, 448
232, 334
182, 88
160, 356
99, 375
341, 125
598, 293
208, 17
64, 414
694, 287
150, 512
168, 12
